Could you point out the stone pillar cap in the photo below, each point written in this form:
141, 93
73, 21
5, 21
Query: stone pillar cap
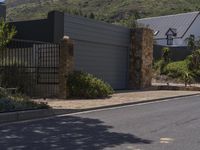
66, 37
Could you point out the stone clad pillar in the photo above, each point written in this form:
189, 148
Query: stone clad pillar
141, 58
66, 65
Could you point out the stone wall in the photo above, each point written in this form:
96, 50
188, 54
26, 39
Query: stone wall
66, 65
141, 57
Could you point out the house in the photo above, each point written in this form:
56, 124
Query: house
173, 30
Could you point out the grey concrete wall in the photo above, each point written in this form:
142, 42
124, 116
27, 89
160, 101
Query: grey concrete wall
47, 30
100, 49
37, 30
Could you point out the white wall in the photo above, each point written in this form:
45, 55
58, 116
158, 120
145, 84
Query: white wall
176, 42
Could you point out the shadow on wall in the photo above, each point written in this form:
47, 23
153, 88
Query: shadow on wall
73, 133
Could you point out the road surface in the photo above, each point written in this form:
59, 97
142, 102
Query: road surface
168, 125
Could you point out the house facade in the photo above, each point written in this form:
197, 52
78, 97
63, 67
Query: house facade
173, 30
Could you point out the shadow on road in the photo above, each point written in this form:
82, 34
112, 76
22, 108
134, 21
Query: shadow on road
71, 133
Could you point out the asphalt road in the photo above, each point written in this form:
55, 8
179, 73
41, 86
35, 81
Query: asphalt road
169, 125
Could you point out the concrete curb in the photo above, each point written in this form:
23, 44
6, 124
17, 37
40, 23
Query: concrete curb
44, 113
177, 88
25, 115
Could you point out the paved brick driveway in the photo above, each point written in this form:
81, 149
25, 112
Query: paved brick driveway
118, 98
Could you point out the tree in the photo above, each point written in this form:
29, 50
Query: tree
187, 78
80, 13
85, 15
92, 16
194, 60
132, 20
7, 33
191, 42
132, 23
137, 15
166, 54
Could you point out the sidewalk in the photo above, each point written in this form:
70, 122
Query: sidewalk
121, 98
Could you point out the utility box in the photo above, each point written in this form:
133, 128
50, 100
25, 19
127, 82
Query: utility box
2, 10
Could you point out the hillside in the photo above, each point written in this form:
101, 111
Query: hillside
114, 11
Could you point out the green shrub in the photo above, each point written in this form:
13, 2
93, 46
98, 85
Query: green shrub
84, 85
8, 104
187, 77
3, 93
13, 76
176, 69
17, 102
159, 66
187, 70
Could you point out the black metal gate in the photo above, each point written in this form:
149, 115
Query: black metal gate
31, 67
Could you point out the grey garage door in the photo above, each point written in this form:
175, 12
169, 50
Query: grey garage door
100, 49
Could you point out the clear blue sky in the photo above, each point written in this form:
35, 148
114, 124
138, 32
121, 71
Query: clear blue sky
1, 0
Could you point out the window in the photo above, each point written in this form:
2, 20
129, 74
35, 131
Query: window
169, 40
171, 34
